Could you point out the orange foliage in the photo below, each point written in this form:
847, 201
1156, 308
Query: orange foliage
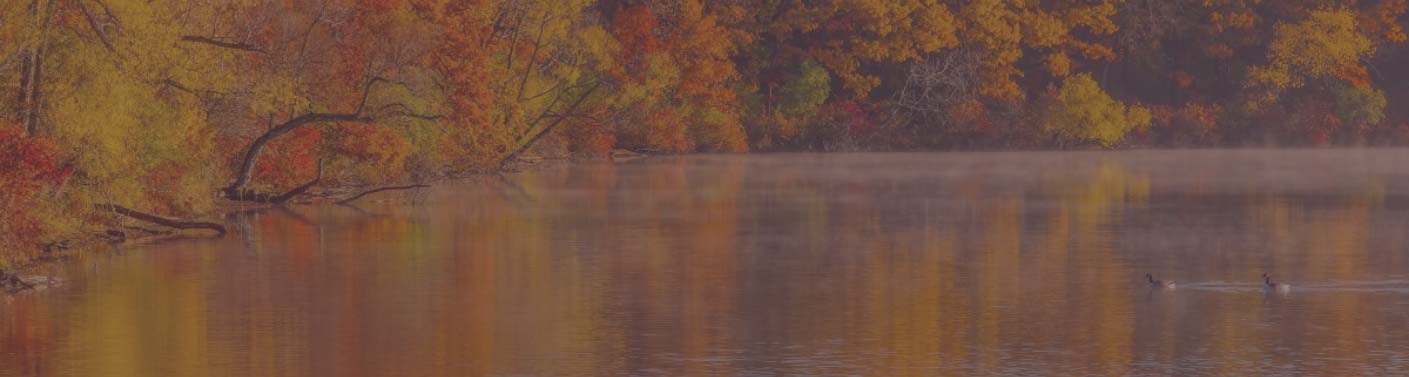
1354, 74
1382, 21
1192, 124
665, 131
1182, 79
699, 108
378, 152
971, 114
467, 70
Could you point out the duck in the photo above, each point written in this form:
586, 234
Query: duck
1159, 283
1272, 286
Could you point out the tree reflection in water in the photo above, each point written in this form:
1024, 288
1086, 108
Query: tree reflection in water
890, 264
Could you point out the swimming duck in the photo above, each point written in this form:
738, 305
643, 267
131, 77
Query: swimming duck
1271, 286
1159, 283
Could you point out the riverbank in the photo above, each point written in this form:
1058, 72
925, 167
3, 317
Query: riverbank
25, 275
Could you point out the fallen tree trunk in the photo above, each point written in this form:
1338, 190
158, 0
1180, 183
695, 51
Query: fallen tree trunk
12, 283
380, 189
163, 221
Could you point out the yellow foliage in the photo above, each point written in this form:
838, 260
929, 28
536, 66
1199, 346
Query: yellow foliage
1057, 64
1081, 111
141, 142
1320, 46
1005, 31
1317, 46
846, 35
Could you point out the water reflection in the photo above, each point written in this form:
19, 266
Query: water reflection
924, 264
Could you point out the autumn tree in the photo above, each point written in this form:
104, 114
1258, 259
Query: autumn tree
1324, 45
673, 76
1079, 111
369, 77
156, 104
30, 177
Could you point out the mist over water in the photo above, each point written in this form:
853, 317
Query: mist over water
1012, 263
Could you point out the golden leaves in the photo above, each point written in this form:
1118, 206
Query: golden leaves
1325, 44
1081, 111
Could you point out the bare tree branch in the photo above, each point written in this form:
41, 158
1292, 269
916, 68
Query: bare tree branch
93, 23
380, 189
223, 44
109, 12
402, 111
533, 58
523, 146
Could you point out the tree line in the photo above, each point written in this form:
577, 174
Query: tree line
169, 106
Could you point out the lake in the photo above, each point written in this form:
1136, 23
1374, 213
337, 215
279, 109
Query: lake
1011, 263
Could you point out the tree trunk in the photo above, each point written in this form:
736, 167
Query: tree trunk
36, 92
23, 101
242, 176
236, 190
32, 69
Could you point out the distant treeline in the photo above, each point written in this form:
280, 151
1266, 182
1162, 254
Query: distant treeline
168, 105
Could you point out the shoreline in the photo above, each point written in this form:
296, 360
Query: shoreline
13, 279
22, 275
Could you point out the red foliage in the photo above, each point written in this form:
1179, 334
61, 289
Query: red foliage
590, 137
290, 160
27, 171
851, 113
1317, 123
635, 27
1193, 124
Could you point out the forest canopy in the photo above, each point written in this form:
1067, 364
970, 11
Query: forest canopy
169, 106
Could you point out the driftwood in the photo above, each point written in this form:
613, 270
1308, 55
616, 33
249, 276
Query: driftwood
380, 189
163, 221
12, 283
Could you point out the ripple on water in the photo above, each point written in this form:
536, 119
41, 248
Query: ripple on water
1400, 286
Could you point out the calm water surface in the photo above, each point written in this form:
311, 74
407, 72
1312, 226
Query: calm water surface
765, 265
